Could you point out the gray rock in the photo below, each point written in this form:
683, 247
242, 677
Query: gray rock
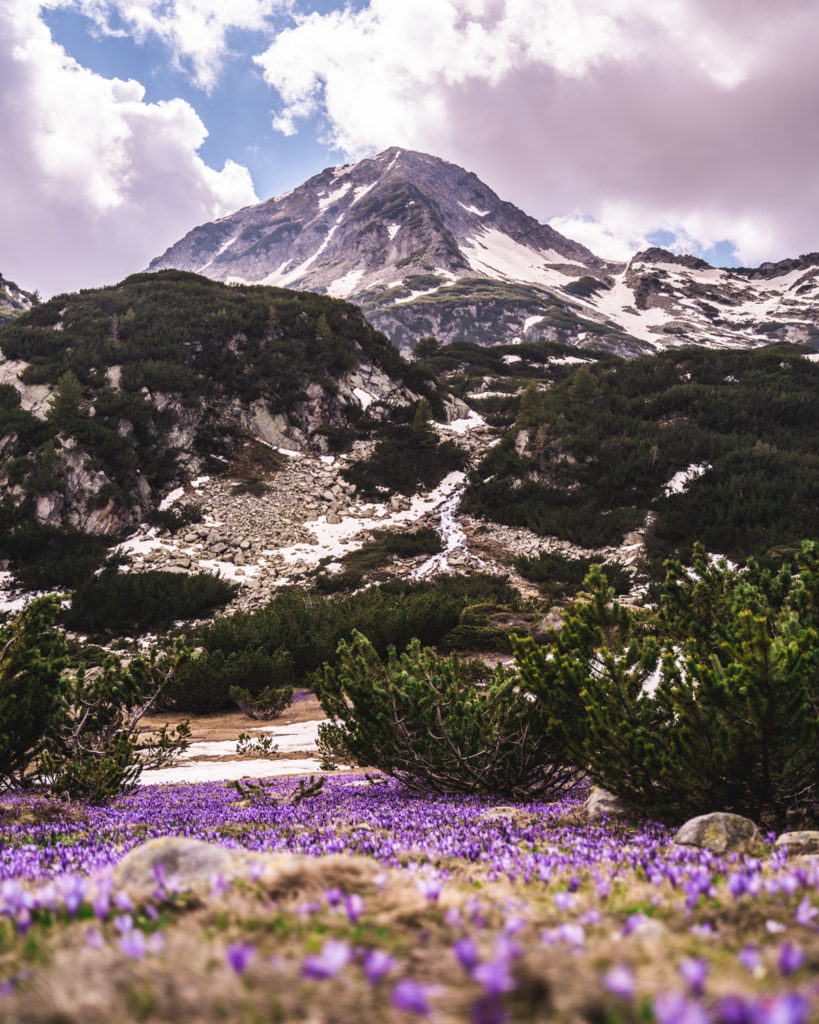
333, 519
719, 832
805, 842
602, 804
193, 864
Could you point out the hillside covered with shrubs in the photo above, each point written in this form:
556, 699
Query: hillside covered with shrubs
594, 455
159, 377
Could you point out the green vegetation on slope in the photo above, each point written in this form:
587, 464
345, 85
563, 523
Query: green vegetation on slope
139, 367
602, 445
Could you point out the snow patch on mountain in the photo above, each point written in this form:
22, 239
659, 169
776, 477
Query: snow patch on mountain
345, 285
333, 197
497, 255
474, 209
678, 484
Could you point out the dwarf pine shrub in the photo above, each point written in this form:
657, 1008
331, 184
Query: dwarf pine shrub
442, 724
718, 712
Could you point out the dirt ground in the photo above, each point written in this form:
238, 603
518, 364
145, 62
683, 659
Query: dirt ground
226, 725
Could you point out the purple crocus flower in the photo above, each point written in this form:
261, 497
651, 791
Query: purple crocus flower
377, 964
694, 972
240, 955
133, 944
354, 905
733, 1010
791, 958
74, 889
430, 888
123, 902
675, 1008
94, 938
563, 900
333, 956
749, 957
467, 953
620, 981
494, 976
408, 995
334, 896
790, 1008
806, 912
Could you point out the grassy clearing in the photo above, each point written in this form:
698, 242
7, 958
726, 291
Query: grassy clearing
450, 908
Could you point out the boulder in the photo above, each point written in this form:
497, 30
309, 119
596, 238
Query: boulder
193, 865
719, 832
602, 804
799, 842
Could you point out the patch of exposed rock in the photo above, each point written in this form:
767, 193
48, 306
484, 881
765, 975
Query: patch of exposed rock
719, 832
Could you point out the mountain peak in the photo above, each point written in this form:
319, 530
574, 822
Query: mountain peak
427, 248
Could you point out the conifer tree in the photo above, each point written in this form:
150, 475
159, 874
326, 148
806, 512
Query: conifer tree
729, 717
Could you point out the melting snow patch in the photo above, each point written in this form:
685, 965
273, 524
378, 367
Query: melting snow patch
364, 397
474, 209
392, 230
511, 359
567, 361
361, 191
463, 426
200, 481
335, 540
331, 197
678, 483
228, 771
175, 495
290, 453
452, 535
345, 285
813, 358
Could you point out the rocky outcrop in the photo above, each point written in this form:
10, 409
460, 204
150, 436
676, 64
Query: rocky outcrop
602, 805
34, 398
720, 833
798, 843
13, 300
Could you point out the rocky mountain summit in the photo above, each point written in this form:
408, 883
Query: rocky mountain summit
426, 248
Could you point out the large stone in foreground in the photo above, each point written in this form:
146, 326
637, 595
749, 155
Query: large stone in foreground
194, 866
719, 832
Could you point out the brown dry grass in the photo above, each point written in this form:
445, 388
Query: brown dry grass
191, 980
226, 725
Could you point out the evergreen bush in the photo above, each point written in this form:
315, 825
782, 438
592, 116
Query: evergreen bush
441, 724
117, 602
720, 712
32, 659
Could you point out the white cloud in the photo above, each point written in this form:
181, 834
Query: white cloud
196, 31
603, 239
683, 115
95, 180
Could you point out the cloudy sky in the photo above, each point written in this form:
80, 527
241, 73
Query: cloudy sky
124, 123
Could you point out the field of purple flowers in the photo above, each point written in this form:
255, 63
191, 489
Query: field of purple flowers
451, 908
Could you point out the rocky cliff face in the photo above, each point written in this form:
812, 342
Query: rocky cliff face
110, 399
425, 248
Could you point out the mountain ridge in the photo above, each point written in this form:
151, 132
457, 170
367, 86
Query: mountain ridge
426, 248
